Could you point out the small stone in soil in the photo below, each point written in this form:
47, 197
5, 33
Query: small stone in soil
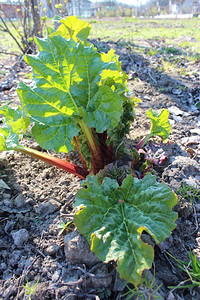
105, 281
9, 226
19, 201
77, 250
51, 250
20, 237
48, 207
3, 185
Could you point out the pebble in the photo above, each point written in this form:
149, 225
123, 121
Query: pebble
177, 111
197, 206
20, 237
176, 91
77, 250
147, 98
56, 275
195, 131
48, 207
101, 282
3, 185
190, 140
177, 118
9, 226
19, 201
3, 266
51, 250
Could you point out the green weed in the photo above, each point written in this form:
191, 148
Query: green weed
30, 289
189, 193
192, 268
63, 227
146, 290
152, 52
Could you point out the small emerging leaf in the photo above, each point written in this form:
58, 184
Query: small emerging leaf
159, 122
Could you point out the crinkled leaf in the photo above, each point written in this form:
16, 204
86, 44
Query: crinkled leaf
123, 127
14, 124
159, 122
66, 88
112, 219
157, 154
115, 80
112, 78
73, 28
4, 132
15, 118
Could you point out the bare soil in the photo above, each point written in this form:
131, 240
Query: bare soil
36, 198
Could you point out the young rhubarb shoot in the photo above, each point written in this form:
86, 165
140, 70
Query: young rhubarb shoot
160, 126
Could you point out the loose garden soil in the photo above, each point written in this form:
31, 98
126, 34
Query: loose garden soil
35, 198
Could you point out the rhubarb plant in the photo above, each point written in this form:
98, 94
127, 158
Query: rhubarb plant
77, 94
78, 99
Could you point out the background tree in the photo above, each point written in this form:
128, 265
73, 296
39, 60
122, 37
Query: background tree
24, 25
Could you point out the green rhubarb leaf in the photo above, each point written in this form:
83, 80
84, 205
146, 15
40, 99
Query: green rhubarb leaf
159, 122
66, 88
73, 28
15, 124
117, 80
15, 118
4, 132
112, 219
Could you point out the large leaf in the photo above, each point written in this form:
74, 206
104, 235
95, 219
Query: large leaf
159, 122
67, 88
112, 219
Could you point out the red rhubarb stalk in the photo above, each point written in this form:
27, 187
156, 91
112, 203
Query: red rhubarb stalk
54, 161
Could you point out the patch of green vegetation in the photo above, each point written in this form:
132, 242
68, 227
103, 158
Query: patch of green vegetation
177, 34
93, 21
167, 66
185, 44
192, 268
152, 52
170, 50
30, 290
146, 290
189, 193
173, 32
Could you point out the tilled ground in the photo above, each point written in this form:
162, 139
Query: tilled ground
35, 199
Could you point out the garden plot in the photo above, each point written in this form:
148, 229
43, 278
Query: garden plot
37, 199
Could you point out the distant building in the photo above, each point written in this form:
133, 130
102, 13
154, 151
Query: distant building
80, 8
10, 10
185, 6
